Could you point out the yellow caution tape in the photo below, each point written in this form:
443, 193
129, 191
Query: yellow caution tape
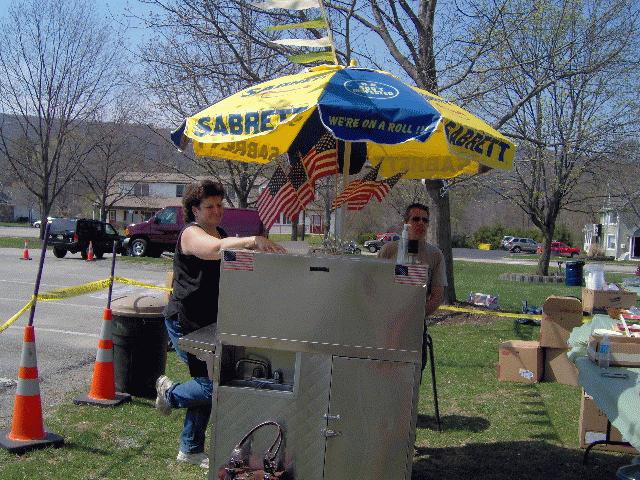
67, 292
6, 324
490, 312
136, 283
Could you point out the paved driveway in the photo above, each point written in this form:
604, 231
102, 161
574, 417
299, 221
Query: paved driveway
67, 331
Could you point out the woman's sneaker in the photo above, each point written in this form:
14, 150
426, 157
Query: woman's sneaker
163, 384
200, 459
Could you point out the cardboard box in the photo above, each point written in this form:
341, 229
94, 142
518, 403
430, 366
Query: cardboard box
558, 368
520, 361
600, 300
560, 315
625, 351
593, 427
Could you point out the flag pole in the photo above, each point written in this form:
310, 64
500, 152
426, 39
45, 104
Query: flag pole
341, 212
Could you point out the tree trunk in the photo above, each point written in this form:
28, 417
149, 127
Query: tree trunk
44, 215
304, 223
439, 232
294, 230
543, 261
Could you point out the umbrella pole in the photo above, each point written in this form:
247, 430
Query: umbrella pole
341, 212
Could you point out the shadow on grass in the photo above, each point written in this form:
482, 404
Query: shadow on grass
523, 332
524, 460
454, 422
121, 459
83, 448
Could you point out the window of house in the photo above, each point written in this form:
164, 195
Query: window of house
179, 191
284, 220
611, 241
231, 195
141, 189
112, 215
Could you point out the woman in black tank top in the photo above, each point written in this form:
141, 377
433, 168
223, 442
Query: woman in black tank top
194, 304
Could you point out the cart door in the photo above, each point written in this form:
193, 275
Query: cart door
369, 420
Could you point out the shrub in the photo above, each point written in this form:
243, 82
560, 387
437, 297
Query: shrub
363, 237
461, 241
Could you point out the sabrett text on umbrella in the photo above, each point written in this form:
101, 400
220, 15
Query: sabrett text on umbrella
246, 123
478, 142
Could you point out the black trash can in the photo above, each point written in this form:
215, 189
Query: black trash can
139, 343
573, 274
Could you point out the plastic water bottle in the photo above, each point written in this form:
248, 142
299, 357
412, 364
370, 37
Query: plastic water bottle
403, 245
604, 352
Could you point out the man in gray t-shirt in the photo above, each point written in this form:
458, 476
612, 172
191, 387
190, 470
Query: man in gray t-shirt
417, 217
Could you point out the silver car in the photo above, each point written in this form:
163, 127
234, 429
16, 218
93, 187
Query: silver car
517, 245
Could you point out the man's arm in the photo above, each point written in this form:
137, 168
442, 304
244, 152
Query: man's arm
435, 300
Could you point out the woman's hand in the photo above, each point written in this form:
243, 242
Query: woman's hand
265, 245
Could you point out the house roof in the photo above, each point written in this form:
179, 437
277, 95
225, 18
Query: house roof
145, 203
146, 177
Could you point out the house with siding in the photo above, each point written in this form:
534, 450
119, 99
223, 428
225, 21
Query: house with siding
616, 235
143, 194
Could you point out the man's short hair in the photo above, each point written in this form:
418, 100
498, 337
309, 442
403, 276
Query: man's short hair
421, 206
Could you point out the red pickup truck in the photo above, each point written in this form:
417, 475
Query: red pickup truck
561, 250
160, 232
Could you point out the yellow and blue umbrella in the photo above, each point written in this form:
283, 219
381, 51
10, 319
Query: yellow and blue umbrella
384, 119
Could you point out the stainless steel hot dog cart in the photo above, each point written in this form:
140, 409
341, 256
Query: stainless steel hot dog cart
330, 348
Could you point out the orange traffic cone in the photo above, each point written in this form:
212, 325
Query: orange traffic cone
90, 257
25, 252
27, 430
103, 386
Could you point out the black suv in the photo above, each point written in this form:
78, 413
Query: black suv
74, 234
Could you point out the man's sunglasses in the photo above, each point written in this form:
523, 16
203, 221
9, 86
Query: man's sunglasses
417, 219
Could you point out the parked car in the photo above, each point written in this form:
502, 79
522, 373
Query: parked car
37, 223
160, 233
561, 250
381, 238
517, 245
506, 239
74, 234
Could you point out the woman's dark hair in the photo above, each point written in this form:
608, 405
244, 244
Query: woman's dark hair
196, 192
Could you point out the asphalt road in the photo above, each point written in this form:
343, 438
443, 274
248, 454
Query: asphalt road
67, 331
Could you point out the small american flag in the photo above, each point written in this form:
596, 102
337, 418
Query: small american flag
303, 187
235, 260
359, 191
279, 196
411, 274
322, 159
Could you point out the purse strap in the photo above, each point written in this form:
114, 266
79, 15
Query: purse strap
273, 450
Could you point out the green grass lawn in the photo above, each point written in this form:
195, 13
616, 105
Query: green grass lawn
483, 278
492, 430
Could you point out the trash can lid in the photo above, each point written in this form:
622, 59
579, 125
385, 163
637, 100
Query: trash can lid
139, 306
575, 262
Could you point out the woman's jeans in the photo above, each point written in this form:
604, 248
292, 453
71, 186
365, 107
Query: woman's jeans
194, 395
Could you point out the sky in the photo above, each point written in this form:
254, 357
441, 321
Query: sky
115, 11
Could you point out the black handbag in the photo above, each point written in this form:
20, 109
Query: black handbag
236, 467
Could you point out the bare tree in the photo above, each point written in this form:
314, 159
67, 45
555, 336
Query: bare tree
116, 151
570, 107
204, 51
58, 65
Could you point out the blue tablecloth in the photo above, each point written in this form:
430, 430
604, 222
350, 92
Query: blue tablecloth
618, 398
